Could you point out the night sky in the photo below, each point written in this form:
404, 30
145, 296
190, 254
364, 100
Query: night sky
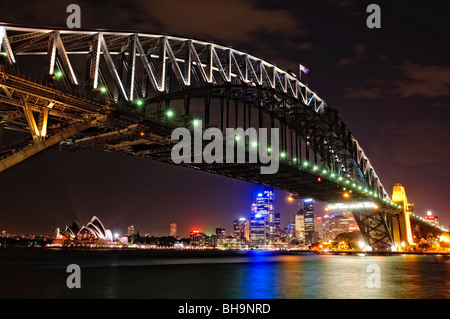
391, 87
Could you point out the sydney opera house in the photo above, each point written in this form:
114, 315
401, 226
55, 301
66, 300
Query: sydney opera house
93, 234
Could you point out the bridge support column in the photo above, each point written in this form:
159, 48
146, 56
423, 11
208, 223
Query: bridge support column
402, 225
42, 145
376, 229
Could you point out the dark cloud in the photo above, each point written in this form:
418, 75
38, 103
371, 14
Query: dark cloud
372, 93
413, 80
359, 51
423, 80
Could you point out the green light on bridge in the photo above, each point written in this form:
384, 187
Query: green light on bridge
58, 74
139, 102
170, 113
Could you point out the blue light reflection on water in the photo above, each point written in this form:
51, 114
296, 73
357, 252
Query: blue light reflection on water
248, 275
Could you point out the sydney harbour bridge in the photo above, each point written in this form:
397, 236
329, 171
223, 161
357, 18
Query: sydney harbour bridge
126, 92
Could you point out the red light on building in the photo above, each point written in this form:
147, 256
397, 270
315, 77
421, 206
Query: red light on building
196, 232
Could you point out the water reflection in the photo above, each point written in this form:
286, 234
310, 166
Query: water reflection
248, 275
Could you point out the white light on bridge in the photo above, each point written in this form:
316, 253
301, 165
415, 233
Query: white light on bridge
362, 205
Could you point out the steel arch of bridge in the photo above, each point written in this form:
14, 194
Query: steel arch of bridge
125, 69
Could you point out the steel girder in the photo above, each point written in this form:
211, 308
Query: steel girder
160, 69
376, 228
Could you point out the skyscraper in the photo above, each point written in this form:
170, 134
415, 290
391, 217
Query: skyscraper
341, 223
221, 232
299, 226
308, 210
241, 230
319, 228
173, 230
258, 229
263, 215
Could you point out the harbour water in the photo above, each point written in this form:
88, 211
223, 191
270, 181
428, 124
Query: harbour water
163, 274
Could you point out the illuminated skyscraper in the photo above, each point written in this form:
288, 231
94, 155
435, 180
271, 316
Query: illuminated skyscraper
263, 216
319, 228
326, 228
258, 229
308, 211
221, 232
130, 230
173, 230
341, 223
299, 226
241, 230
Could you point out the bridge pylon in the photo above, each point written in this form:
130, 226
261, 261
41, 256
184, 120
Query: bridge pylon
401, 229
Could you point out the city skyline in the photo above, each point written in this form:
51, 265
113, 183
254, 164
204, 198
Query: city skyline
386, 114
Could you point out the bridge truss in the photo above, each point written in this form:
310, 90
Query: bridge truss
113, 90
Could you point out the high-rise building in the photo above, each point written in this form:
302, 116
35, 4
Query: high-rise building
221, 232
263, 215
173, 230
432, 219
277, 224
319, 228
326, 220
299, 226
258, 229
308, 211
241, 230
198, 239
130, 230
342, 223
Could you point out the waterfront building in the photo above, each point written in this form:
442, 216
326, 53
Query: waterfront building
198, 239
319, 228
258, 229
326, 219
92, 234
299, 226
220, 232
341, 223
241, 230
309, 220
263, 213
432, 219
131, 230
